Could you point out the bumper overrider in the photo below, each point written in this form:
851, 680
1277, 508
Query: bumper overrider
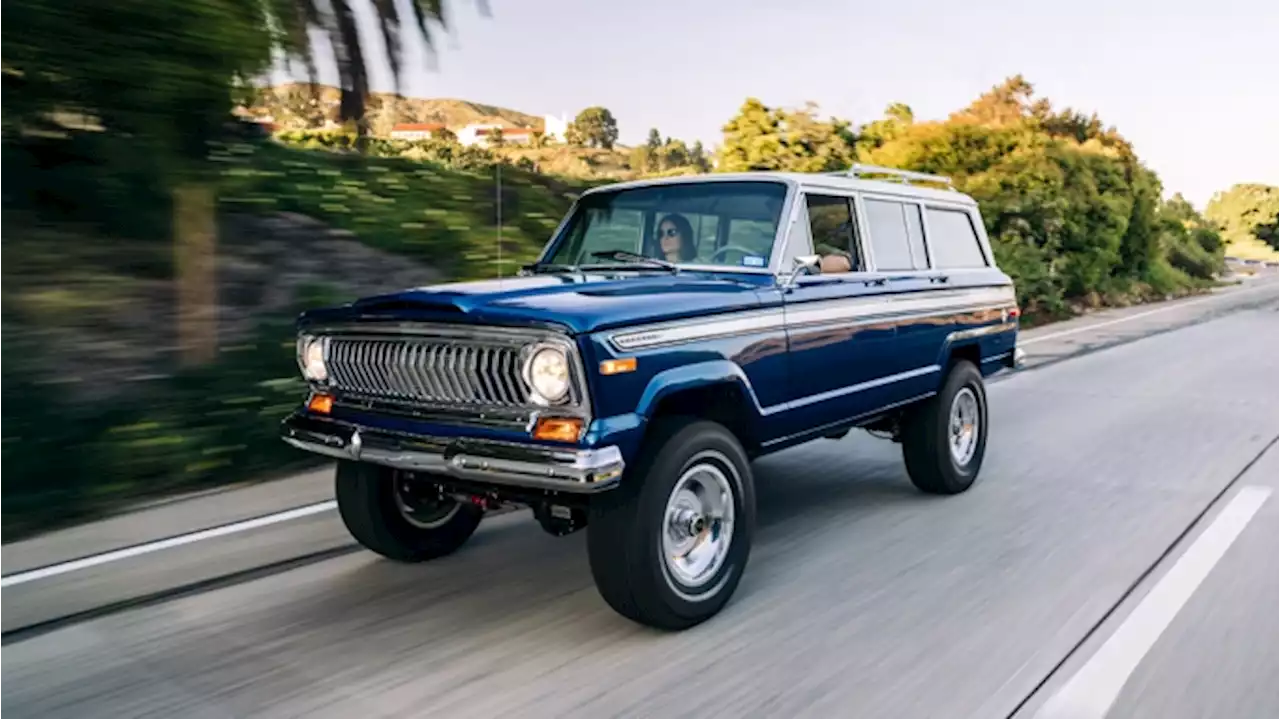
506, 463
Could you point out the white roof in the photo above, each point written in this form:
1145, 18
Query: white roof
818, 181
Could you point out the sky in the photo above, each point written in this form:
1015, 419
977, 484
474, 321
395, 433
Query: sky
1194, 85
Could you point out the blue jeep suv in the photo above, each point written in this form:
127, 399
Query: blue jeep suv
671, 331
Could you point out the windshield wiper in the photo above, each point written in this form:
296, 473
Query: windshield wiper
536, 267
631, 257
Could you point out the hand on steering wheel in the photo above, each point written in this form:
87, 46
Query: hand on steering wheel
726, 248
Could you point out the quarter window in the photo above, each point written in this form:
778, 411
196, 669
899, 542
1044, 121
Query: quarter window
832, 228
954, 240
897, 235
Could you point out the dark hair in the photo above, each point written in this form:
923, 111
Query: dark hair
687, 250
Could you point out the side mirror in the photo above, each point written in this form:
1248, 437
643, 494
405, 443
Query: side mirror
807, 264
802, 265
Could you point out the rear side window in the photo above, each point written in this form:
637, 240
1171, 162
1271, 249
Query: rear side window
915, 236
897, 238
954, 240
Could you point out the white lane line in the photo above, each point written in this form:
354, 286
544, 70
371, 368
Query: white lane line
94, 560
1129, 318
1090, 693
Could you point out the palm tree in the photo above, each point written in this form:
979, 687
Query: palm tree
195, 221
336, 19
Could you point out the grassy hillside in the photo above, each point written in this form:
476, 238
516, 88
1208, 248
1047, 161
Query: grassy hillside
442, 216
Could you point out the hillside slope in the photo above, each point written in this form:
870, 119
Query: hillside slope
445, 217
289, 105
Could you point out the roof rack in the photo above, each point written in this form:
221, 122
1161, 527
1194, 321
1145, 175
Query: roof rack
903, 176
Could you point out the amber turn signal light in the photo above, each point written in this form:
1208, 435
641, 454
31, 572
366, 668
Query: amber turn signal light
558, 429
320, 403
618, 366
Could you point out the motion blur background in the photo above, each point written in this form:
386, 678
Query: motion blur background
181, 177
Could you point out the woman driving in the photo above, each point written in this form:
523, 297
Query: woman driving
675, 238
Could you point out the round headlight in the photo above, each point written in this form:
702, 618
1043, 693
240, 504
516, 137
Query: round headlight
548, 373
311, 358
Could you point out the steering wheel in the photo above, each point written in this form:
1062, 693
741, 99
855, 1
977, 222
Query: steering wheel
726, 248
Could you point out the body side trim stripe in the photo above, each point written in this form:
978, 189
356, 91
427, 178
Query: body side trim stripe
982, 331
815, 313
860, 387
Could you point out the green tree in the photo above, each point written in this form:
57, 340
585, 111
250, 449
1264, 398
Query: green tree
593, 127
698, 157
1269, 233
761, 138
1189, 241
1072, 213
673, 154
874, 135
654, 140
1247, 212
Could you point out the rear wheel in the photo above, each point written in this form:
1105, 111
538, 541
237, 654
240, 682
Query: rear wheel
668, 547
945, 438
401, 518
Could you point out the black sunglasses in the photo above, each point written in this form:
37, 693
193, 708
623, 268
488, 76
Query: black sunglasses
669, 232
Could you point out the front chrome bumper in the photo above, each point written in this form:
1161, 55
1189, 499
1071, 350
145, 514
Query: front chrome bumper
506, 463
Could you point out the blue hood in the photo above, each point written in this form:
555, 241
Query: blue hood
576, 302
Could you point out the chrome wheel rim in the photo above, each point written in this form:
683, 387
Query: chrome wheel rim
421, 507
964, 425
697, 526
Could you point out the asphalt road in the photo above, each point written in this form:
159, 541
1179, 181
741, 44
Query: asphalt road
862, 598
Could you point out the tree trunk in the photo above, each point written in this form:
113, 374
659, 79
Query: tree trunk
195, 234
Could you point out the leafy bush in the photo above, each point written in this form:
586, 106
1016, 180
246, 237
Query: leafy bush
1073, 215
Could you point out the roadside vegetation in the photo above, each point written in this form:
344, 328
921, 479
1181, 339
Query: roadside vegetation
1248, 215
125, 172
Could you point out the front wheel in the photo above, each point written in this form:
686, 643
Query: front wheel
668, 547
399, 517
945, 438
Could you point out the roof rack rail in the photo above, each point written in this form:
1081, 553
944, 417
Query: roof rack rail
903, 176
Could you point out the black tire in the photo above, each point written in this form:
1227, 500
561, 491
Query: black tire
626, 525
366, 495
926, 438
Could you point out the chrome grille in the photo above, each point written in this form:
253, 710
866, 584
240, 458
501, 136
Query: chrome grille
428, 370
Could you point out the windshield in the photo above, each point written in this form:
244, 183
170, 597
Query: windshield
731, 224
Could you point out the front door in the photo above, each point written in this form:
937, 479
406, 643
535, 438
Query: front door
837, 349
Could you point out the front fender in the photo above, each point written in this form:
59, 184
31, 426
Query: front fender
692, 376
626, 431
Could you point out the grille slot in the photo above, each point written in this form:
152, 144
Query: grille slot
428, 370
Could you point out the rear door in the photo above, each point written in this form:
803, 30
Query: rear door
901, 257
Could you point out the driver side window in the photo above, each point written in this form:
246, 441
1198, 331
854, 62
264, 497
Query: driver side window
834, 234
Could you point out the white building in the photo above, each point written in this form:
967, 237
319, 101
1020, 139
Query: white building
555, 128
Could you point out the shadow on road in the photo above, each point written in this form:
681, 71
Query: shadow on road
513, 578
